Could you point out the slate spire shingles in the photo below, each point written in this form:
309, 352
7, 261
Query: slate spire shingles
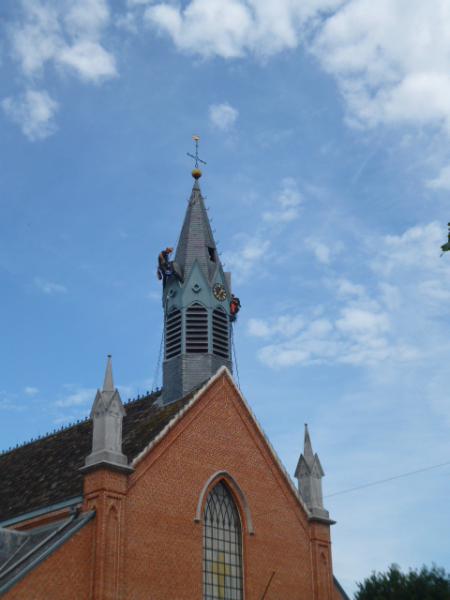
196, 237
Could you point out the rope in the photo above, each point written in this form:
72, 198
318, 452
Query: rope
233, 347
158, 364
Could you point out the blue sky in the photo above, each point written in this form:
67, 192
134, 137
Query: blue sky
325, 125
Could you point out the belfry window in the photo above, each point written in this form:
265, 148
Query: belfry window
173, 333
212, 253
222, 547
196, 329
220, 332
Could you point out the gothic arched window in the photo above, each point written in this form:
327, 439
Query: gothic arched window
222, 547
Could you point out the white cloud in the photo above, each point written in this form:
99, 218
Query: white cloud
65, 37
87, 17
391, 319
77, 397
442, 180
286, 326
8, 402
362, 323
258, 328
60, 34
391, 59
287, 203
242, 261
127, 21
31, 391
34, 112
390, 296
223, 116
320, 250
256, 249
49, 287
235, 28
36, 39
356, 337
89, 60
418, 247
344, 288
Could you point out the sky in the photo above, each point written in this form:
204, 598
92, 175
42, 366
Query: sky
325, 125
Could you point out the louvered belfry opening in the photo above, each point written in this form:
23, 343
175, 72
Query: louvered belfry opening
196, 329
173, 333
221, 333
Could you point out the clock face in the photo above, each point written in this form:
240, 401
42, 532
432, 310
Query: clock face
219, 292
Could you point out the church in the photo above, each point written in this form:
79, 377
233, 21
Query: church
176, 495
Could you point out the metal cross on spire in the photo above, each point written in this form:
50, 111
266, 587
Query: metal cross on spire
196, 157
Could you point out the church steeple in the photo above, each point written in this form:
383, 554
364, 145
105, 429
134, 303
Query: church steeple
309, 474
196, 302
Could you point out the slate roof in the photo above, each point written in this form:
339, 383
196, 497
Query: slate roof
20, 552
46, 471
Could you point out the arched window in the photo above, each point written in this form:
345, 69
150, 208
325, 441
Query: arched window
173, 333
220, 336
222, 547
196, 329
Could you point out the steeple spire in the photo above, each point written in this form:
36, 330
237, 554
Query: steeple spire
196, 301
196, 241
309, 474
107, 414
307, 447
108, 384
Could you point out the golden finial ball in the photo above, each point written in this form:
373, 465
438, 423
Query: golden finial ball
196, 173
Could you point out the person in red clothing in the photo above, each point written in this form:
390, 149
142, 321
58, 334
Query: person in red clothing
235, 307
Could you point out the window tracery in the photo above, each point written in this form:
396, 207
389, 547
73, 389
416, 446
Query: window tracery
222, 547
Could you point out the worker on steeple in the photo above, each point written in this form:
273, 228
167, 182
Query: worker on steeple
235, 307
165, 265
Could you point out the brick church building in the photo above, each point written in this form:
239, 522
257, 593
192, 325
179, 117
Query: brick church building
177, 495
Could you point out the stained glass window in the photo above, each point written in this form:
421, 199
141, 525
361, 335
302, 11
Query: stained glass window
222, 547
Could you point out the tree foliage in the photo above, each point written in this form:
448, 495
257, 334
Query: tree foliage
423, 584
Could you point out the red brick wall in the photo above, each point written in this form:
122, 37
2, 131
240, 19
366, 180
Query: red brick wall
164, 544
144, 543
64, 575
322, 567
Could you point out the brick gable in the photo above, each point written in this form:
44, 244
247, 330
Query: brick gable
164, 543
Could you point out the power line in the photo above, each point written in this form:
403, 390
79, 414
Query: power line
366, 485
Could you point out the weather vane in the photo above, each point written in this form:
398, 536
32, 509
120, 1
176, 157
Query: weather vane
196, 173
